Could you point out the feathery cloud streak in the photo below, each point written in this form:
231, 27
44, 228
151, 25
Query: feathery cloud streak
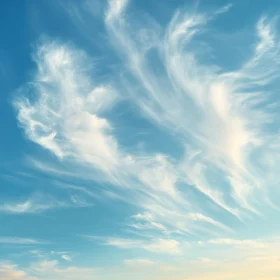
224, 120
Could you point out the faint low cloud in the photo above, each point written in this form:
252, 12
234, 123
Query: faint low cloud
20, 240
223, 122
139, 262
156, 245
66, 258
240, 243
38, 203
12, 272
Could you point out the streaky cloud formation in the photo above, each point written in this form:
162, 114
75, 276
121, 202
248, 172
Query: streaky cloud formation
188, 207
216, 114
39, 203
160, 245
19, 240
101, 149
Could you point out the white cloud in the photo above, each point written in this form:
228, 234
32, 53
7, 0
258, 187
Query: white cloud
48, 270
224, 9
238, 259
213, 111
116, 8
45, 270
38, 203
19, 240
65, 119
62, 119
139, 262
156, 245
67, 258
236, 242
164, 246
266, 36
10, 272
146, 221
221, 119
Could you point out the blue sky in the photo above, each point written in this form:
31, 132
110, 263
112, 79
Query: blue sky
139, 139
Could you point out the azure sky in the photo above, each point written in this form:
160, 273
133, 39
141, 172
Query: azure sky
140, 140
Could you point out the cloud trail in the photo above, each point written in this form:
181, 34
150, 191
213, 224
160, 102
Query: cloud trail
224, 121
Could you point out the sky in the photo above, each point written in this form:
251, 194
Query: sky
139, 140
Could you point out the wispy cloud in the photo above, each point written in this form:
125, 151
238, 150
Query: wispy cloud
240, 243
8, 271
39, 203
139, 262
157, 245
225, 123
87, 138
66, 258
19, 240
230, 265
217, 112
45, 270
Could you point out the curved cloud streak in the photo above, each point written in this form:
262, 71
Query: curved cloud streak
226, 121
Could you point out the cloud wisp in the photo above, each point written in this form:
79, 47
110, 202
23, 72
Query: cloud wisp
39, 203
19, 240
224, 121
159, 245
